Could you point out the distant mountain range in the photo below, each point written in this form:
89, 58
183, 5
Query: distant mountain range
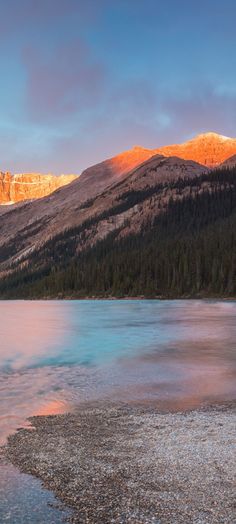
28, 186
146, 222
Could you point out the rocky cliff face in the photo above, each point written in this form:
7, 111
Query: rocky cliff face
29, 186
209, 149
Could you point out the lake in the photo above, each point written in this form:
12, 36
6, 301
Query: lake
57, 355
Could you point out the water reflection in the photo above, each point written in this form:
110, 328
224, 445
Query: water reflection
23, 501
29, 331
55, 355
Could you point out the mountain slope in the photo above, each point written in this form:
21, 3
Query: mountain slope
26, 227
60, 209
27, 186
230, 162
112, 169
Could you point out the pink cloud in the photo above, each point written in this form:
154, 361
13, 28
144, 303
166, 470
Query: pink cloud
62, 82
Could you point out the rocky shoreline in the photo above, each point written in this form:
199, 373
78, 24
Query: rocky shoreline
135, 465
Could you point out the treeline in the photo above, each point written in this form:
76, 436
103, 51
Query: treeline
188, 250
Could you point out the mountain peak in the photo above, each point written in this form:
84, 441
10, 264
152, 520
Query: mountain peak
211, 135
210, 149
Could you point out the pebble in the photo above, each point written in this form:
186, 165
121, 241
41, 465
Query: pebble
127, 465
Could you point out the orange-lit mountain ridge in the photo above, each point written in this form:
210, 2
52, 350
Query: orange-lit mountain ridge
209, 149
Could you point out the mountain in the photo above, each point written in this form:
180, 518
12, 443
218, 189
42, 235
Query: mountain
209, 149
28, 186
27, 226
174, 238
139, 223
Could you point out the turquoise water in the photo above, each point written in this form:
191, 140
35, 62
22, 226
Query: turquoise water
56, 355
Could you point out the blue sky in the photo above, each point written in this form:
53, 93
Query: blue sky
82, 80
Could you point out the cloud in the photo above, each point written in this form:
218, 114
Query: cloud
134, 98
16, 16
62, 82
202, 108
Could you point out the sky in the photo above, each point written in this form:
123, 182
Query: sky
82, 80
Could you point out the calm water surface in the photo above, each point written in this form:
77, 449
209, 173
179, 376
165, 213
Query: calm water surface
56, 355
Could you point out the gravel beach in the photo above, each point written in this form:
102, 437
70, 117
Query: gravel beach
133, 465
